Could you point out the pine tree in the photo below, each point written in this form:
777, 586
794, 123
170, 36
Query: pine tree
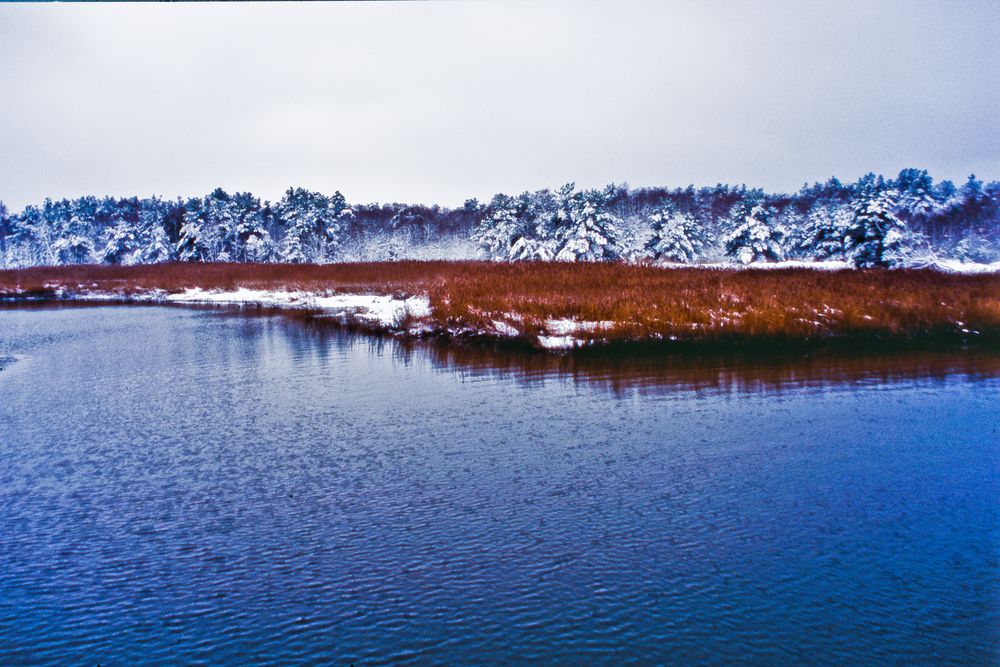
193, 245
6, 234
312, 226
677, 237
123, 244
821, 235
584, 229
501, 227
527, 249
73, 225
154, 243
916, 200
876, 235
755, 237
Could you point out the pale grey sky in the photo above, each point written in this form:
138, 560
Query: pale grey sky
435, 102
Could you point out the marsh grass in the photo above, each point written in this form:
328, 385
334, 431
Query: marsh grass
631, 302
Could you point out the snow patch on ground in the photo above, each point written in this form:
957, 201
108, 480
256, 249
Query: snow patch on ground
958, 266
557, 342
825, 265
504, 329
565, 333
381, 310
945, 265
565, 326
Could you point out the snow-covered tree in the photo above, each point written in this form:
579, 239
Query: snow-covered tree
527, 249
820, 236
503, 224
677, 237
876, 235
31, 239
155, 246
123, 244
312, 226
754, 236
72, 222
6, 234
584, 230
193, 245
222, 222
259, 247
915, 198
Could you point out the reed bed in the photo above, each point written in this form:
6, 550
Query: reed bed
620, 302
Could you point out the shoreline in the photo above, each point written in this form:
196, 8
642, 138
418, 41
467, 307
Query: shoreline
564, 307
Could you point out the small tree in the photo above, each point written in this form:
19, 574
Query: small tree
123, 244
527, 249
755, 237
500, 228
677, 237
876, 235
312, 225
6, 232
585, 231
822, 233
193, 245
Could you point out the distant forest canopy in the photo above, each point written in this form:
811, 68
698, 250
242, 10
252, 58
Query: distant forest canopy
906, 221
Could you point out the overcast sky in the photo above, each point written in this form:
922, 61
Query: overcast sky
437, 102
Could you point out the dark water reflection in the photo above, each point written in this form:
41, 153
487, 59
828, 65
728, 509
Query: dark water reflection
181, 486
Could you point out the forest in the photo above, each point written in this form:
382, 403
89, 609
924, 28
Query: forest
906, 221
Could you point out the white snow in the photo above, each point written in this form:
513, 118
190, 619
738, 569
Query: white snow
557, 342
823, 265
504, 329
563, 326
387, 311
944, 265
958, 266
564, 333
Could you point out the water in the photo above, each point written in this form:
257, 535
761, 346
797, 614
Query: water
183, 486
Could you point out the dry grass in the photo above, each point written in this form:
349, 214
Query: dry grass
639, 302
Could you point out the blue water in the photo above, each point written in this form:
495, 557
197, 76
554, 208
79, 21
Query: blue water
184, 486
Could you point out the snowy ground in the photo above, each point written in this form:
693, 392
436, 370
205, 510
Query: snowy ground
787, 264
565, 334
376, 309
957, 266
407, 315
371, 310
944, 265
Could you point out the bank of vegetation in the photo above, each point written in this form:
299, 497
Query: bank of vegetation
561, 305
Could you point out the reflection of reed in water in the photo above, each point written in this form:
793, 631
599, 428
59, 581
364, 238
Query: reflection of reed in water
651, 370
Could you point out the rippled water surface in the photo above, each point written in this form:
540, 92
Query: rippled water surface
184, 486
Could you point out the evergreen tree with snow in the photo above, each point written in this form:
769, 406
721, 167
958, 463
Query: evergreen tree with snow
501, 227
6, 233
193, 245
876, 235
677, 237
531, 249
584, 230
72, 222
154, 243
915, 196
31, 239
123, 244
754, 236
821, 235
312, 226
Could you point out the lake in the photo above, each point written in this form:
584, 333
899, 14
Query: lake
185, 486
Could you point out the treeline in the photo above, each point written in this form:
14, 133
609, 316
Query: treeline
874, 221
